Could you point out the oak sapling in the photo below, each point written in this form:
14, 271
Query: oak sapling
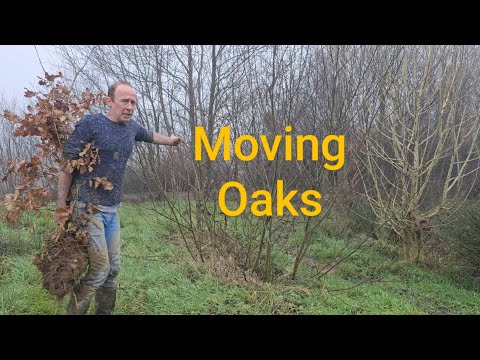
63, 256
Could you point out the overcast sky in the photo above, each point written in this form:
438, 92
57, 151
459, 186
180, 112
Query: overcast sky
19, 68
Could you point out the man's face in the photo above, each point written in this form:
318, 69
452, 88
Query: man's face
122, 105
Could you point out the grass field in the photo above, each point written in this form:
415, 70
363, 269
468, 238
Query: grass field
159, 277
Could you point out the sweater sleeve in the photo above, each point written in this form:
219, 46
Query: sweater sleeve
143, 134
82, 134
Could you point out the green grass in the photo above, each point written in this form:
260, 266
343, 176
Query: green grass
158, 277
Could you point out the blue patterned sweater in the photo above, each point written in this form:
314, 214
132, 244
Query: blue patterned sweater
114, 142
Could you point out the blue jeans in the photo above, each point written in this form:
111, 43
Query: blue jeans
104, 250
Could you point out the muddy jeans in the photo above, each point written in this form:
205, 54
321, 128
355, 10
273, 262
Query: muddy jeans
104, 251
104, 265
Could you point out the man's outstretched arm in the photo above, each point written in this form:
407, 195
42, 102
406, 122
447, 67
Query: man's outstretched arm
160, 139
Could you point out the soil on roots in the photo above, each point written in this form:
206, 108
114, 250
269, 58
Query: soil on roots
63, 259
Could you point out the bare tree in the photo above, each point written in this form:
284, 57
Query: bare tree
423, 140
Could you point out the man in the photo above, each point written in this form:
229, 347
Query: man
113, 136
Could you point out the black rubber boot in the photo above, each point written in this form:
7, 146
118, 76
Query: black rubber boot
105, 301
80, 298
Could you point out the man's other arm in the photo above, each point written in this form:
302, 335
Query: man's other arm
82, 134
64, 183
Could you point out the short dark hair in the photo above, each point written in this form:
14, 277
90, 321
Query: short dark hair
113, 87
